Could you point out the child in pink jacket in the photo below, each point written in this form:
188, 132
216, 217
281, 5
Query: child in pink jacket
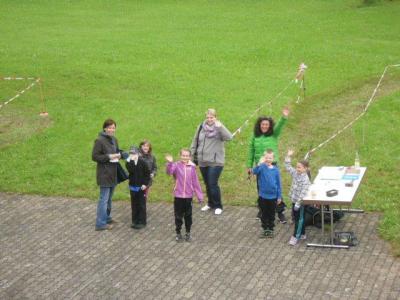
186, 185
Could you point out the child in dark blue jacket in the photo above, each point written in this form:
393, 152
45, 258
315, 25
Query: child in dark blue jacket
269, 194
139, 178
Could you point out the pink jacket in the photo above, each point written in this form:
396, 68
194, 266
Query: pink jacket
186, 181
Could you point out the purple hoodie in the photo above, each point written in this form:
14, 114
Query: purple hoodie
186, 181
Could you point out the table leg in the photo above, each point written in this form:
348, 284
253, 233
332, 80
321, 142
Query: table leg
322, 222
332, 232
330, 245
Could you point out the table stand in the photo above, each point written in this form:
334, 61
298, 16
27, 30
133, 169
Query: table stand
332, 233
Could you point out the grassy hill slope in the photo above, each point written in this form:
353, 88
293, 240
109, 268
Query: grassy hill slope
156, 67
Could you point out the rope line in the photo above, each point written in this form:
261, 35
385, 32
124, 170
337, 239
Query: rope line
356, 119
299, 77
37, 80
17, 78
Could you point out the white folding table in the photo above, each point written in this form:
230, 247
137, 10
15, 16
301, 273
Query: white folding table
344, 180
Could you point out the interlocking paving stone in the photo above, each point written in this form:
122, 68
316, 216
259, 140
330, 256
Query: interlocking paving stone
50, 250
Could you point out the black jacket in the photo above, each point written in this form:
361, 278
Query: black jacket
106, 172
138, 174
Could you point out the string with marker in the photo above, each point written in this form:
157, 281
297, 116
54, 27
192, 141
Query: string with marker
299, 77
356, 118
20, 93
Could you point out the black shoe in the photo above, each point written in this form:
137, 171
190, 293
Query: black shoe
282, 218
179, 237
107, 227
138, 226
263, 234
188, 238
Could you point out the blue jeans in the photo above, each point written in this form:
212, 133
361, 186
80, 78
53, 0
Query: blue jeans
104, 206
210, 177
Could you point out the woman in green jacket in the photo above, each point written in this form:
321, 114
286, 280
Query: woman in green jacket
266, 135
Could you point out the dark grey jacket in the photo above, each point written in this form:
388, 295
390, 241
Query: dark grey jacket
106, 171
151, 163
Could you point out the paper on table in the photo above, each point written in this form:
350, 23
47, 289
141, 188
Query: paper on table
330, 174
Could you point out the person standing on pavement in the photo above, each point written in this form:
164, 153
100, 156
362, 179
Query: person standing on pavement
266, 136
186, 186
298, 190
269, 192
208, 147
139, 178
106, 154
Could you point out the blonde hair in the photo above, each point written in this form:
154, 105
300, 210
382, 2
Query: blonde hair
211, 111
184, 150
268, 151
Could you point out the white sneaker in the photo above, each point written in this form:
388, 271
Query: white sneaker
218, 211
303, 237
293, 241
205, 208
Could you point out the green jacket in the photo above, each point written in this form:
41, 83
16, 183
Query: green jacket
258, 145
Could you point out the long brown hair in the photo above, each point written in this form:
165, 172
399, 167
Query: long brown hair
143, 143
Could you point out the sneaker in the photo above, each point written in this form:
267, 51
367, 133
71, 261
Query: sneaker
218, 211
179, 237
205, 208
263, 234
269, 233
303, 237
138, 226
282, 218
293, 241
188, 238
107, 227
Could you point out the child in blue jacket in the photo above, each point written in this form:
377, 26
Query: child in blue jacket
269, 194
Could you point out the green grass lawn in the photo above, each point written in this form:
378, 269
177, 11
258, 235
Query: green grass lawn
156, 66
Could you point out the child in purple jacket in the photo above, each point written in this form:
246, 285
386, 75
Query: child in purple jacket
186, 185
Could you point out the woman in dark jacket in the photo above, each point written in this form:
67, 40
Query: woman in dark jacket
107, 154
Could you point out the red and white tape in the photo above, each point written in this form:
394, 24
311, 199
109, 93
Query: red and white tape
18, 78
20, 92
356, 118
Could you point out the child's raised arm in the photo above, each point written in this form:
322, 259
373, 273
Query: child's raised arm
288, 165
170, 164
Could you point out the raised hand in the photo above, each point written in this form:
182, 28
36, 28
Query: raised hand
285, 111
169, 158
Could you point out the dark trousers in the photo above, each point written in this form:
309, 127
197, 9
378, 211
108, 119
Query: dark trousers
268, 208
279, 209
138, 205
183, 210
299, 226
210, 177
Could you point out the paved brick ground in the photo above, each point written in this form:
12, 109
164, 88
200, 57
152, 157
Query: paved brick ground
49, 250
